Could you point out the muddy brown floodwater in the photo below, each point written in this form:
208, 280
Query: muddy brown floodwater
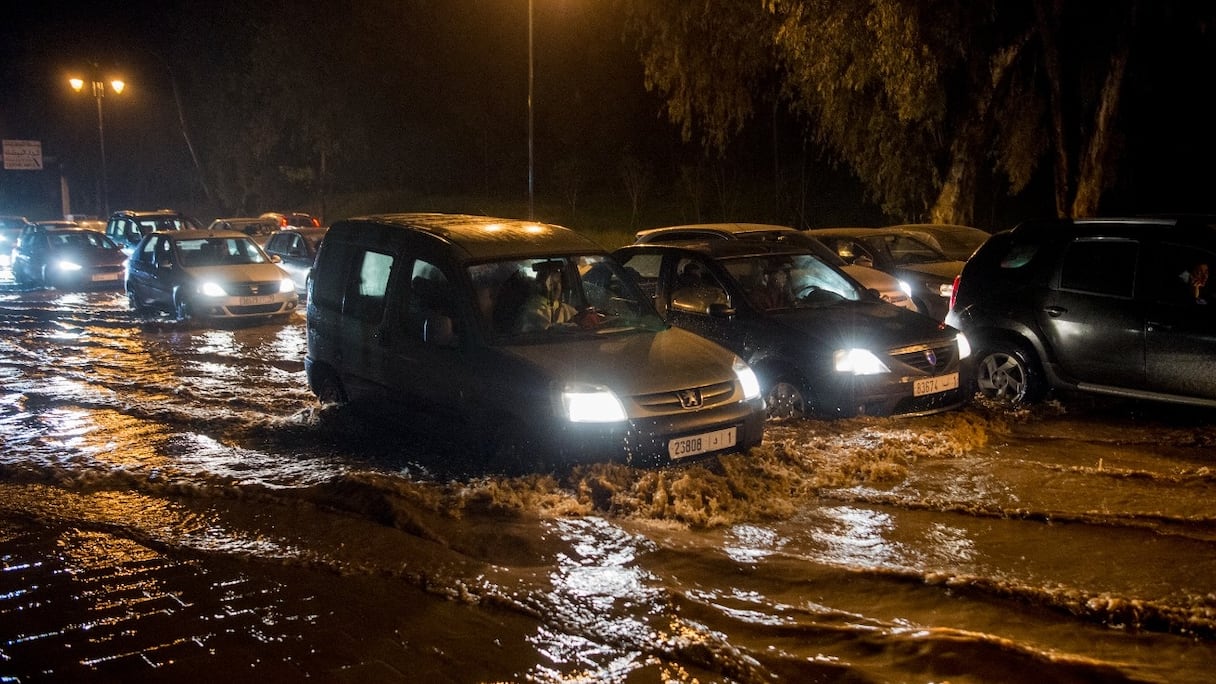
175, 506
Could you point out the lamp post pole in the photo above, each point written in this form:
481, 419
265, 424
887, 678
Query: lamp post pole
531, 176
99, 93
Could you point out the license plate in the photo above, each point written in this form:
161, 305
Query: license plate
683, 447
254, 301
939, 383
98, 277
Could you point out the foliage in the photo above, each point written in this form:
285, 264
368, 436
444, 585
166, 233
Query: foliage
917, 97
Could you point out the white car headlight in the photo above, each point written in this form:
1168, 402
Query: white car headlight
592, 405
286, 285
747, 378
907, 289
212, 290
859, 362
65, 265
964, 347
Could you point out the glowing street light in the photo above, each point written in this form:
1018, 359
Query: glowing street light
99, 92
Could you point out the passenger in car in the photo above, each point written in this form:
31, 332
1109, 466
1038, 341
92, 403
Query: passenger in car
545, 307
775, 291
1195, 283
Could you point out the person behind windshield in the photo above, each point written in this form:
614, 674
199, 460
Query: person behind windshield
545, 307
775, 290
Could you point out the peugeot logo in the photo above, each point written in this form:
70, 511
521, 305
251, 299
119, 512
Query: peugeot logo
931, 357
690, 398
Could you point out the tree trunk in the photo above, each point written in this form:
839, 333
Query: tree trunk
1049, 26
1092, 178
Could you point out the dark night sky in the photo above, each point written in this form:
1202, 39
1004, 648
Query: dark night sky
441, 87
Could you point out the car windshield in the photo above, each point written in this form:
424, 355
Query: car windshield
81, 239
538, 299
219, 251
789, 281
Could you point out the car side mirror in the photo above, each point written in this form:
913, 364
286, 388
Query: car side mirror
276, 259
439, 331
706, 301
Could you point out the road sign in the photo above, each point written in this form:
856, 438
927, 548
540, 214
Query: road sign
23, 155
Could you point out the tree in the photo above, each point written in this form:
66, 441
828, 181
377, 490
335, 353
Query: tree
916, 97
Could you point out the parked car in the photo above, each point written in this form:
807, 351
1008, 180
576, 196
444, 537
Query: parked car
10, 230
296, 249
207, 274
128, 227
905, 254
1096, 305
65, 256
828, 349
257, 228
428, 314
890, 289
298, 219
955, 241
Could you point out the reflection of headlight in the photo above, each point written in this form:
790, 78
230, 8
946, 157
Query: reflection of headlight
65, 265
286, 285
859, 362
747, 378
592, 405
964, 347
906, 288
212, 290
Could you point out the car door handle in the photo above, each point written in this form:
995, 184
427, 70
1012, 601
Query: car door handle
1158, 326
1055, 311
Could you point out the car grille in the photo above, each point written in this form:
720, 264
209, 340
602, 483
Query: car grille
930, 403
671, 402
255, 310
251, 289
925, 358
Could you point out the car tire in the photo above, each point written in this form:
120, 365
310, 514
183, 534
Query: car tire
329, 389
134, 303
785, 400
182, 309
1009, 374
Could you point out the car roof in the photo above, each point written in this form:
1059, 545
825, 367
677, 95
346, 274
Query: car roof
200, 233
149, 212
1130, 227
306, 231
721, 249
725, 227
482, 237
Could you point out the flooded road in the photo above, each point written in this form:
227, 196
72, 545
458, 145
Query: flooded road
175, 506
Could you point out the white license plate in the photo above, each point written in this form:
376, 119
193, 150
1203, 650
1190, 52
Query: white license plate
682, 447
254, 301
939, 383
98, 277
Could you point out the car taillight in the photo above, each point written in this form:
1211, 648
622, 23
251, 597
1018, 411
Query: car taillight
954, 292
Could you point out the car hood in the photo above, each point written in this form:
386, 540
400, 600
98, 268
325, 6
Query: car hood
632, 364
872, 278
92, 255
238, 272
874, 325
941, 270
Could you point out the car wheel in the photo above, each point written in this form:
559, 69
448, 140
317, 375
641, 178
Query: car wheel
1009, 375
329, 389
784, 400
134, 302
182, 308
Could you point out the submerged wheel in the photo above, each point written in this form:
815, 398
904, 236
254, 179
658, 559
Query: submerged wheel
182, 308
1009, 375
134, 302
785, 400
329, 389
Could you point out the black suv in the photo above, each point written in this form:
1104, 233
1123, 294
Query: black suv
1109, 306
128, 227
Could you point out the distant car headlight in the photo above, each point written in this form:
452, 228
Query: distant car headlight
747, 378
592, 405
907, 289
286, 285
964, 347
211, 289
65, 265
859, 362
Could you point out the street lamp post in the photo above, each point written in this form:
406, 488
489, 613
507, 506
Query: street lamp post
99, 93
531, 201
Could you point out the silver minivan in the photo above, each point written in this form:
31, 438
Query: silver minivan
526, 338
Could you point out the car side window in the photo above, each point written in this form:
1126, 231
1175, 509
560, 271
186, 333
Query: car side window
1105, 267
365, 296
645, 271
430, 311
696, 288
1168, 270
